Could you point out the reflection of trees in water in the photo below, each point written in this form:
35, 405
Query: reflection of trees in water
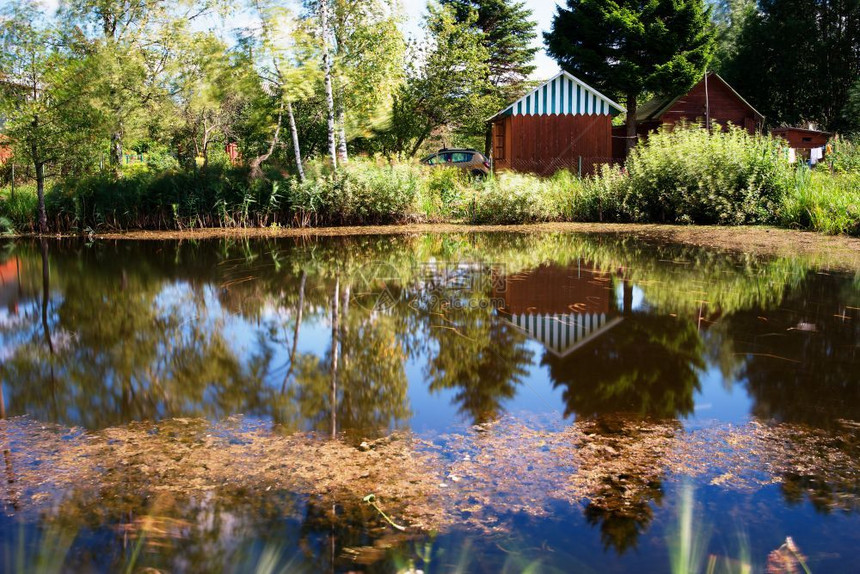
224, 531
647, 365
110, 351
137, 317
362, 371
626, 461
475, 353
801, 362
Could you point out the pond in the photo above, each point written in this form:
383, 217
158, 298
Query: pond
467, 402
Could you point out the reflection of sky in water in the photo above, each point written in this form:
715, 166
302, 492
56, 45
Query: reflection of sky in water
772, 369
253, 316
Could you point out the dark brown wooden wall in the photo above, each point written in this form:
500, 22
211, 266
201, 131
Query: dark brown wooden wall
545, 144
5, 151
802, 139
725, 107
576, 289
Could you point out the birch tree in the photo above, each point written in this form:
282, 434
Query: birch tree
369, 51
324, 9
286, 64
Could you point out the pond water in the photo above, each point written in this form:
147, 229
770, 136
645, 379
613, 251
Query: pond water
556, 402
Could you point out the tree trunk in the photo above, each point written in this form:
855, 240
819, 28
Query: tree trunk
329, 97
335, 301
630, 123
40, 194
341, 126
116, 149
294, 132
255, 163
46, 291
296, 332
488, 141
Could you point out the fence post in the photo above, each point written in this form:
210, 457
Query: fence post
579, 169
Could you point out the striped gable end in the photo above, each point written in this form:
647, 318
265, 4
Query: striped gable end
564, 94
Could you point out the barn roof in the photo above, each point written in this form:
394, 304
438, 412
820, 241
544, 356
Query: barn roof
786, 129
564, 94
654, 108
563, 334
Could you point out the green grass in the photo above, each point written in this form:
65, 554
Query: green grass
19, 209
684, 176
824, 202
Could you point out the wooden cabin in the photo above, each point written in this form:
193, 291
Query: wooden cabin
712, 100
802, 138
563, 308
5, 151
562, 124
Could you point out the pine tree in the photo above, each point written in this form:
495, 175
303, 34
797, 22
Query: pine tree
797, 59
628, 47
507, 32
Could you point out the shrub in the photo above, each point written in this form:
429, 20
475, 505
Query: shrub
824, 202
20, 210
448, 192
846, 156
361, 192
689, 175
515, 198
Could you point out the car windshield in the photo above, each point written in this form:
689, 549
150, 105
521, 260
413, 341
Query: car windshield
449, 157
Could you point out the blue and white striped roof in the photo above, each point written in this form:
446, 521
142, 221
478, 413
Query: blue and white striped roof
565, 94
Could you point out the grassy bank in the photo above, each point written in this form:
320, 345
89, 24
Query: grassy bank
683, 177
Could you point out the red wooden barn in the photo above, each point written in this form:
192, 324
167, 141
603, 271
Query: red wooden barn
802, 138
712, 100
563, 123
579, 308
5, 151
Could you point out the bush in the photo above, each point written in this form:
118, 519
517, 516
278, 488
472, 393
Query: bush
689, 175
362, 192
367, 193
20, 210
846, 156
448, 192
515, 198
824, 202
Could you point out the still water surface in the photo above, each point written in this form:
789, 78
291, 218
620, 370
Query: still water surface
563, 402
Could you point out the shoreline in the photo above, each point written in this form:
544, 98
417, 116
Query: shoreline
839, 250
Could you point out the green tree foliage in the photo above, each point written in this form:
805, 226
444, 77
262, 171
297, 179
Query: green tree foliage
445, 82
43, 96
208, 89
796, 60
729, 17
630, 47
286, 62
507, 32
128, 43
851, 115
369, 64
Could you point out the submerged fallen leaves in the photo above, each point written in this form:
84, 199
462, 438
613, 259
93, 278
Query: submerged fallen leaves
479, 479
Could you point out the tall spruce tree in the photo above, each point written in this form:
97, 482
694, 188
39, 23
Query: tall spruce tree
507, 32
796, 60
625, 48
